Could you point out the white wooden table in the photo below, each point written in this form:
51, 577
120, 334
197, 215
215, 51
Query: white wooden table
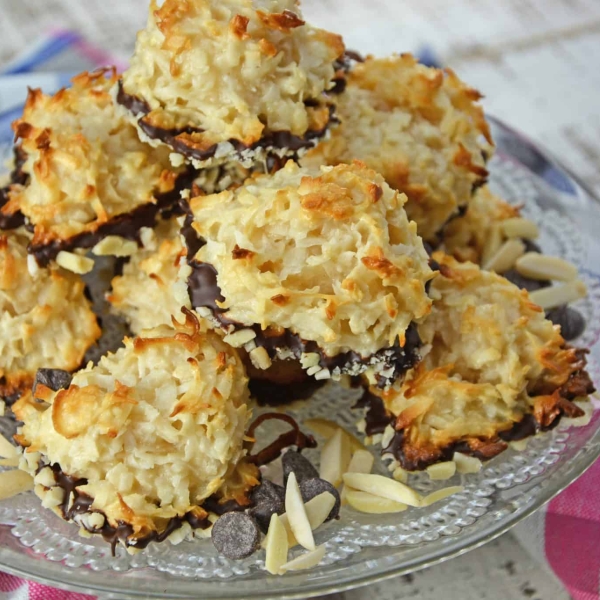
535, 62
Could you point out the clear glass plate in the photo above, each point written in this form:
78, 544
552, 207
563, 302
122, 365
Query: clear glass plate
360, 548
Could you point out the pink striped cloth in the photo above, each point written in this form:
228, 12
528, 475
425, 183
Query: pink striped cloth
565, 535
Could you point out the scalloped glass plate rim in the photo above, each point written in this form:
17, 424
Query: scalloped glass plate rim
134, 584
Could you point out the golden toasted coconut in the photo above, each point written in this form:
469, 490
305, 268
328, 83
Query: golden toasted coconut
45, 318
421, 128
142, 439
312, 261
467, 237
494, 370
87, 172
143, 294
222, 80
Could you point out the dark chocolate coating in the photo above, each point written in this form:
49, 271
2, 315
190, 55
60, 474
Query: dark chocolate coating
236, 535
55, 379
19, 178
126, 225
170, 137
377, 418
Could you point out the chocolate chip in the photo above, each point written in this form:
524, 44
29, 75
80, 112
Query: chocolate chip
525, 283
55, 379
236, 535
531, 246
268, 499
295, 462
310, 488
571, 321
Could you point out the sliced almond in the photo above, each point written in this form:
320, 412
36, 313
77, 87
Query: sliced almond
306, 560
519, 445
74, 262
441, 471
326, 429
276, 546
538, 266
7, 450
505, 257
518, 227
400, 475
296, 514
588, 409
335, 458
3, 406
466, 464
376, 505
10, 462
440, 495
239, 338
13, 483
383, 487
554, 296
361, 462
114, 245
260, 358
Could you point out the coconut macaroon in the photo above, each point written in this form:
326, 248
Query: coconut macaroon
421, 128
320, 265
135, 445
494, 370
227, 80
476, 235
45, 318
143, 294
88, 174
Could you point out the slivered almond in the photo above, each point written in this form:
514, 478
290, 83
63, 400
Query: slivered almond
554, 296
7, 450
306, 560
13, 483
239, 338
383, 487
276, 546
335, 458
361, 462
440, 495
492, 244
466, 464
10, 462
317, 511
441, 471
75, 263
537, 266
376, 505
296, 514
518, 227
3, 404
326, 428
505, 257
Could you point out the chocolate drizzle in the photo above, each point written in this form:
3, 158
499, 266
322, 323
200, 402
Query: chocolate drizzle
293, 437
76, 503
271, 393
126, 225
171, 137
